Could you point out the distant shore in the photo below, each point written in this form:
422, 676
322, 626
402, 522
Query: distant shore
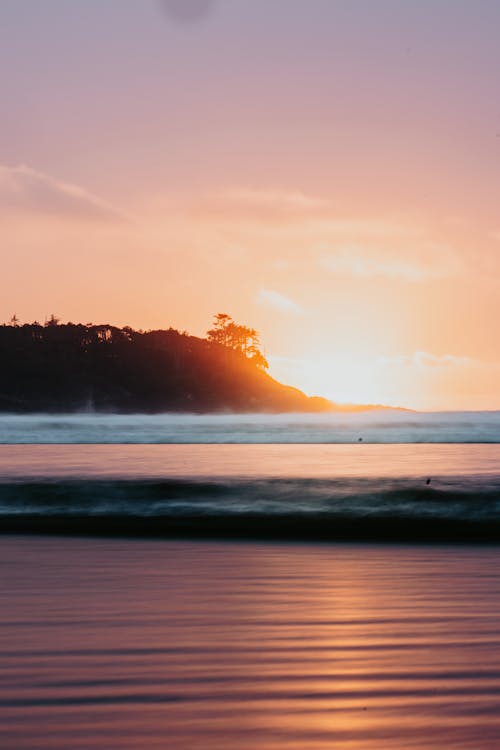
63, 368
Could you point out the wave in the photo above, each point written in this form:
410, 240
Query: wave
458, 509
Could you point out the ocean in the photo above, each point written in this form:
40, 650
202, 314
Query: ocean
379, 426
282, 582
389, 475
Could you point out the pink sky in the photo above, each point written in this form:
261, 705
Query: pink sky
323, 170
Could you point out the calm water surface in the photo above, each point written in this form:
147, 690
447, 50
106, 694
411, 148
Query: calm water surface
255, 460
191, 646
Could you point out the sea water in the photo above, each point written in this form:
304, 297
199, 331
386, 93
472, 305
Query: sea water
387, 475
243, 639
379, 426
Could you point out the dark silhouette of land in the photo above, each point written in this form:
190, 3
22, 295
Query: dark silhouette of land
72, 367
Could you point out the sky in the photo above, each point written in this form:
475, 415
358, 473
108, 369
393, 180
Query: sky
326, 171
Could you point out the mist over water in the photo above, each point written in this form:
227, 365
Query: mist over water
368, 427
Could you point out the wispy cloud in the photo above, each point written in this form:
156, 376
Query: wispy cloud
23, 189
285, 200
278, 301
265, 205
299, 226
425, 263
276, 209
423, 360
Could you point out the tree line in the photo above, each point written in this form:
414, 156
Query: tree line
73, 366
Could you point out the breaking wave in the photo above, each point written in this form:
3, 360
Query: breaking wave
451, 509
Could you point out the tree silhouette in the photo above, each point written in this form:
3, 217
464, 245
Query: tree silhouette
237, 337
59, 367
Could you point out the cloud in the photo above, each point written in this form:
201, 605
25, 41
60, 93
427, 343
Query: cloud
423, 360
425, 263
284, 200
266, 206
188, 11
299, 226
270, 298
426, 359
23, 189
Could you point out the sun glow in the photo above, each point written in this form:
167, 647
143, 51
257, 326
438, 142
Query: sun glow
345, 380
354, 382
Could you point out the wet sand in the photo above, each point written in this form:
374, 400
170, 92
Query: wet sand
188, 645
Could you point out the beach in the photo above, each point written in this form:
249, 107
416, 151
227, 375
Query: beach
189, 645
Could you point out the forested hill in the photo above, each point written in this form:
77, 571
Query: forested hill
60, 368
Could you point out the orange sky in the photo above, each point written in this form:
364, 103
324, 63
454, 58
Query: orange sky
320, 170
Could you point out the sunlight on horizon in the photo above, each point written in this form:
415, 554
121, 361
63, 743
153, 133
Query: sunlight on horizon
415, 381
341, 379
